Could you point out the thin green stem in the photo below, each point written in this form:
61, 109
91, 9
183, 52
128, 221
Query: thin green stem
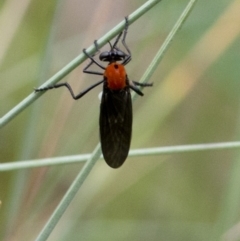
228, 217
168, 150
70, 194
76, 62
159, 56
20, 179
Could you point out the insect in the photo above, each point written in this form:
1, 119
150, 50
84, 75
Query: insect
116, 104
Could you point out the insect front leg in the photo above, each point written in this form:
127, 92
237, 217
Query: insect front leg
92, 61
85, 70
129, 56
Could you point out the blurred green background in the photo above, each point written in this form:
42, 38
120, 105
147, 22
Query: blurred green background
195, 99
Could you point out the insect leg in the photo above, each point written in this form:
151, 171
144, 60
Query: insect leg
81, 94
142, 84
85, 70
93, 60
134, 88
117, 40
137, 90
129, 56
96, 46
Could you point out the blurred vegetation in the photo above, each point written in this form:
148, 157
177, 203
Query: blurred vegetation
195, 99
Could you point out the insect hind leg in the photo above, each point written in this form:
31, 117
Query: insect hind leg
142, 84
75, 97
136, 89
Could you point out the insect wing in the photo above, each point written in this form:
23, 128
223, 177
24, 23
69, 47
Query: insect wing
115, 125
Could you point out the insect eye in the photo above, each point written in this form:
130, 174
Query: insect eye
119, 55
104, 56
113, 55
